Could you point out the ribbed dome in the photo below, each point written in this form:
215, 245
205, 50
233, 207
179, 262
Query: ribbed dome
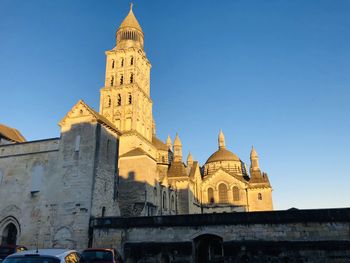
222, 155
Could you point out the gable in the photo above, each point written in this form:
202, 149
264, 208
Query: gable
220, 176
81, 113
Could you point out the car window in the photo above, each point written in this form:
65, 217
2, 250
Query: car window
97, 255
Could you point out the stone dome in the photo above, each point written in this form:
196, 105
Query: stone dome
222, 155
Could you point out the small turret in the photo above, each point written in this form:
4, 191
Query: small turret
189, 160
221, 140
169, 143
254, 160
177, 149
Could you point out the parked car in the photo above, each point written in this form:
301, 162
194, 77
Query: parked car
100, 255
51, 255
8, 250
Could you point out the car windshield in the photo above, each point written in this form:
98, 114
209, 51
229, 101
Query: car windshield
97, 255
31, 259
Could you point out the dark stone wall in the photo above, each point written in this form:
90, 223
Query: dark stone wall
320, 235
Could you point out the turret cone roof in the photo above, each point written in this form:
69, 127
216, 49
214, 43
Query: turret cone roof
130, 21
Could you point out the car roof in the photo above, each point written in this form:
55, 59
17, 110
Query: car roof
55, 252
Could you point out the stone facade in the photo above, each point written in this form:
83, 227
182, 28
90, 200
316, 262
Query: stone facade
111, 163
50, 189
154, 180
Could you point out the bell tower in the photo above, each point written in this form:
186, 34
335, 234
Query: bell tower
125, 98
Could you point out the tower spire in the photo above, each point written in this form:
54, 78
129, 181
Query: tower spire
177, 149
131, 4
221, 140
254, 159
189, 159
169, 142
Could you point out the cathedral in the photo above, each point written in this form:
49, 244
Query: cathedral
112, 164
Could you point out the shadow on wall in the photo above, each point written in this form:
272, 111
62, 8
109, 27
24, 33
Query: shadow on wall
137, 198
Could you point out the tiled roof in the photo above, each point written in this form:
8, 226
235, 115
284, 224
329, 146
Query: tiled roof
159, 144
11, 134
177, 169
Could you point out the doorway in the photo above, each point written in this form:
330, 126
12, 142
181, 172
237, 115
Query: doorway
9, 235
208, 249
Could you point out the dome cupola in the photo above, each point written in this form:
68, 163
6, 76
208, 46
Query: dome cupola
130, 33
223, 159
222, 154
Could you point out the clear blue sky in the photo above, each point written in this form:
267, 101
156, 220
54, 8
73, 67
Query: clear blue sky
274, 74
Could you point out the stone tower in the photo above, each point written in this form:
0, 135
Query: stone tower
125, 98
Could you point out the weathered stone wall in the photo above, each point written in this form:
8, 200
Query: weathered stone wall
106, 175
299, 231
255, 203
19, 163
137, 185
46, 187
74, 181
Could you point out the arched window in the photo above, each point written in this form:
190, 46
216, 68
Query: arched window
130, 99
122, 63
112, 81
77, 143
211, 199
235, 192
259, 196
112, 63
164, 200
132, 78
103, 211
121, 80
223, 198
119, 100
131, 61
172, 203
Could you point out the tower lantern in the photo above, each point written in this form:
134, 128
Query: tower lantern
129, 33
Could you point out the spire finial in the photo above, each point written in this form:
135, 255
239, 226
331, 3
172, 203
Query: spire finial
221, 140
131, 4
253, 153
189, 159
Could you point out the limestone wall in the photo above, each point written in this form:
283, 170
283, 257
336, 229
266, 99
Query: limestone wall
260, 199
46, 187
29, 210
105, 190
32, 147
301, 233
